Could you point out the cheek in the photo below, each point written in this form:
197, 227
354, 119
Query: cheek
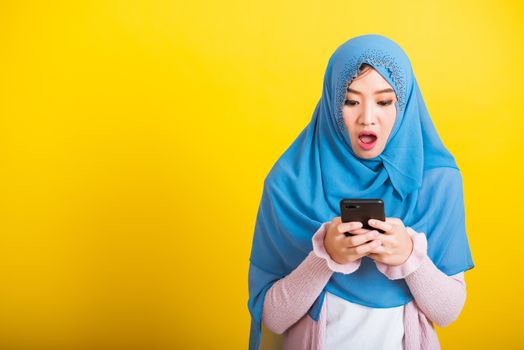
349, 117
387, 122
391, 117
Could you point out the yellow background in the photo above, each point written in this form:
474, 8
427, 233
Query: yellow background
135, 137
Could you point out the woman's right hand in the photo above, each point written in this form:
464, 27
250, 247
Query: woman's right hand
344, 249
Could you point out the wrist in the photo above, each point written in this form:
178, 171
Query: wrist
319, 250
413, 261
411, 248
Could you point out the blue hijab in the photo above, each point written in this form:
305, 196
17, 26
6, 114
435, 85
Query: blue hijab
415, 175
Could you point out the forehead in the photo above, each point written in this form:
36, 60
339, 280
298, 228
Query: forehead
369, 80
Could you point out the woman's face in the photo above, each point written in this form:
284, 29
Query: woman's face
369, 108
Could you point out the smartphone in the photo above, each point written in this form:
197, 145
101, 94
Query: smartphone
359, 209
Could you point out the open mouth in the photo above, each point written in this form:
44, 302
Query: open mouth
367, 139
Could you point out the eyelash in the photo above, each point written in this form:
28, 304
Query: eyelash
386, 103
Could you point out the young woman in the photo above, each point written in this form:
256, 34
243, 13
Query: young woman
370, 137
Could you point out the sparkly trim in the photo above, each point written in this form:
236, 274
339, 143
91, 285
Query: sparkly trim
350, 71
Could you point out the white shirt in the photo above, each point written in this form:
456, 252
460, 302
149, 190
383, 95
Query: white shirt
353, 326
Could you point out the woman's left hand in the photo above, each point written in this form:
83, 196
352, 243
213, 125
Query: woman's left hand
397, 244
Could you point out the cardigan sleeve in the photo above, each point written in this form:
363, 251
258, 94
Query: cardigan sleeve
290, 297
439, 296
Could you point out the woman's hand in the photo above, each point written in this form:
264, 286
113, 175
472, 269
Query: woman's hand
344, 249
397, 244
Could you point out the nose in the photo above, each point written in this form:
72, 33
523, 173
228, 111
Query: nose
367, 116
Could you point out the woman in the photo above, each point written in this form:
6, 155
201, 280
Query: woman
326, 290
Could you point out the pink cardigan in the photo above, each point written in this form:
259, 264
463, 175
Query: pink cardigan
438, 298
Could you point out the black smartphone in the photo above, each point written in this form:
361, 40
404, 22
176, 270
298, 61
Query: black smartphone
360, 209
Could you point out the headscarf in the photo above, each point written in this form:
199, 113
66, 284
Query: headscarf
415, 176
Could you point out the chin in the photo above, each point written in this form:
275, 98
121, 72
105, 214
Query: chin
367, 155
376, 151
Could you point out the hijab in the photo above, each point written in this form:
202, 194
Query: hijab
415, 175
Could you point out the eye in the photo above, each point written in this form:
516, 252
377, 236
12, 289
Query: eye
385, 103
350, 102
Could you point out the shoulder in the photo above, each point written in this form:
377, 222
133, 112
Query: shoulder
279, 175
439, 186
442, 179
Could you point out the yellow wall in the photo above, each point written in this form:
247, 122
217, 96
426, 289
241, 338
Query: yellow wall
135, 137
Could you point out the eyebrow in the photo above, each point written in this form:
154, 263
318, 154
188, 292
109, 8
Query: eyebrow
376, 92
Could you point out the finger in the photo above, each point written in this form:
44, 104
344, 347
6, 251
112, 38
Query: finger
357, 240
348, 226
377, 250
364, 249
386, 240
377, 257
360, 231
394, 220
380, 224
